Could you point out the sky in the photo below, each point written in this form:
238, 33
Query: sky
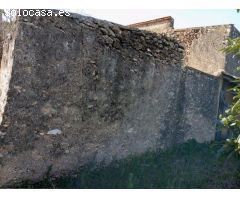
183, 18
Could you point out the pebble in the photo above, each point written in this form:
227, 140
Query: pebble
111, 33
135, 60
90, 106
2, 134
67, 151
107, 39
116, 30
54, 132
25, 19
104, 31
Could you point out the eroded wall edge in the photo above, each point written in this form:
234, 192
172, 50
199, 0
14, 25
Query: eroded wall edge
6, 66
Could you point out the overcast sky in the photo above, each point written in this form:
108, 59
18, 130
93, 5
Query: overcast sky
183, 18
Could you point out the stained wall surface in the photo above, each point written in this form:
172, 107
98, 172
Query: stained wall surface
84, 90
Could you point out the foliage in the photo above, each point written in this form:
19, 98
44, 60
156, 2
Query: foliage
233, 46
231, 118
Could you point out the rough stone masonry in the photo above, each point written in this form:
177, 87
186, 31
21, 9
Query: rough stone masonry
77, 90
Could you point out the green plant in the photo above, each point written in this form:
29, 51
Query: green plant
234, 144
233, 46
231, 118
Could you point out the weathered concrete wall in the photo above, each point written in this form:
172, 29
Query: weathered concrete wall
8, 44
200, 105
110, 90
202, 45
159, 25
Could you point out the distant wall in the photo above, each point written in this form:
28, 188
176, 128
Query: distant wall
203, 47
159, 25
111, 91
232, 62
